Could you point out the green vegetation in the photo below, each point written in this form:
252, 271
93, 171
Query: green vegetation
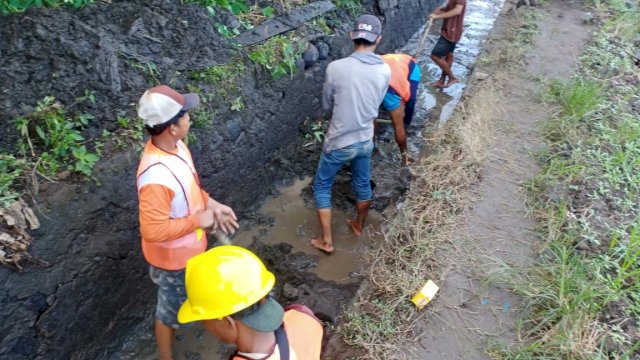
583, 297
315, 135
352, 6
14, 6
11, 169
234, 6
224, 78
50, 143
54, 141
150, 71
277, 55
129, 133
224, 82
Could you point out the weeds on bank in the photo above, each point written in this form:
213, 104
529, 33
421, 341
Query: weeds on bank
224, 79
277, 55
128, 134
11, 170
582, 299
15, 6
53, 141
352, 6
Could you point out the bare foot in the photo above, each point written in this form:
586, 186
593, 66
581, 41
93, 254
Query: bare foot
322, 246
437, 84
357, 229
451, 82
406, 159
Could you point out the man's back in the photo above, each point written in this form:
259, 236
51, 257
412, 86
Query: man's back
354, 88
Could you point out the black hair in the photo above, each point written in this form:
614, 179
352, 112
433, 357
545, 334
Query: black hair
158, 129
363, 42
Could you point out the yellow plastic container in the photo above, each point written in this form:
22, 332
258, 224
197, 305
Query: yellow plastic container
425, 295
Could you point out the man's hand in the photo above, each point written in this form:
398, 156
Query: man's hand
205, 218
224, 216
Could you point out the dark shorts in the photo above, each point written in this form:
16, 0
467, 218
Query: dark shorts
443, 47
171, 295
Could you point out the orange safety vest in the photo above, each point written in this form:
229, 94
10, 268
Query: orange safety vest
304, 333
177, 172
399, 64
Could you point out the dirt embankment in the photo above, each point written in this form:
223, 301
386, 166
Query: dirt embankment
96, 288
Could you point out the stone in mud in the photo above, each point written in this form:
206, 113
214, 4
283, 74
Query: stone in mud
289, 292
300, 63
480, 75
322, 306
588, 18
323, 50
190, 355
310, 56
234, 128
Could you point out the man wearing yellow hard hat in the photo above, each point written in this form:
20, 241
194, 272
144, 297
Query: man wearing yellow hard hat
228, 290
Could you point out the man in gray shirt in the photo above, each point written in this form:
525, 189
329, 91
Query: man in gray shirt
353, 89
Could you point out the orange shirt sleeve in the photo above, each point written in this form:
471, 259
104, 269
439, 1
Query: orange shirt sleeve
205, 196
155, 209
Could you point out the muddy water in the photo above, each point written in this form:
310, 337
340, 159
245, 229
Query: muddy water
295, 224
291, 216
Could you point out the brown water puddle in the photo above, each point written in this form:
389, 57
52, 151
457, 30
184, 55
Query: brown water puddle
296, 224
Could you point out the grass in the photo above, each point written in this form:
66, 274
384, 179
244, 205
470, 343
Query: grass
383, 316
53, 141
277, 55
381, 320
582, 297
17, 6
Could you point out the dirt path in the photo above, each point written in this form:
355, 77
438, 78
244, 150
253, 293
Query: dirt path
470, 312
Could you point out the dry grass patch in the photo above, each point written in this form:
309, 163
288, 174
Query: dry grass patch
383, 317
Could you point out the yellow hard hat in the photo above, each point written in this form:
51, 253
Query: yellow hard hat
223, 281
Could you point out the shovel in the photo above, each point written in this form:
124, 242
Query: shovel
424, 37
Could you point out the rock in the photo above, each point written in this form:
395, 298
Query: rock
310, 56
234, 128
190, 355
323, 307
300, 63
588, 18
289, 292
480, 75
323, 50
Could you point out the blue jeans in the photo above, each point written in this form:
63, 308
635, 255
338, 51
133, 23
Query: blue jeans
359, 154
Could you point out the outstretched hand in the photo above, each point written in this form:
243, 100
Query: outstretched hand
226, 219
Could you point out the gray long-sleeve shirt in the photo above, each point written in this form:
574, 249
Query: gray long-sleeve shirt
354, 88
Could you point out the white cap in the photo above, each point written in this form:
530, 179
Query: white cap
161, 103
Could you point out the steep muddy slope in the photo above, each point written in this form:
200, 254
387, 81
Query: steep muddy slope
97, 288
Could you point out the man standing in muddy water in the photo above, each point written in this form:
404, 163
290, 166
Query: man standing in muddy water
452, 14
175, 212
354, 88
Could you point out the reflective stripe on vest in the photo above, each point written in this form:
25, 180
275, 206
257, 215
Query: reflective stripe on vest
304, 333
399, 64
176, 172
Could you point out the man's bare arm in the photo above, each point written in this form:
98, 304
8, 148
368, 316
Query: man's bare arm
457, 10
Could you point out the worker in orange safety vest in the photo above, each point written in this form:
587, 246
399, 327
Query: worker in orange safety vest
175, 213
401, 95
228, 290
